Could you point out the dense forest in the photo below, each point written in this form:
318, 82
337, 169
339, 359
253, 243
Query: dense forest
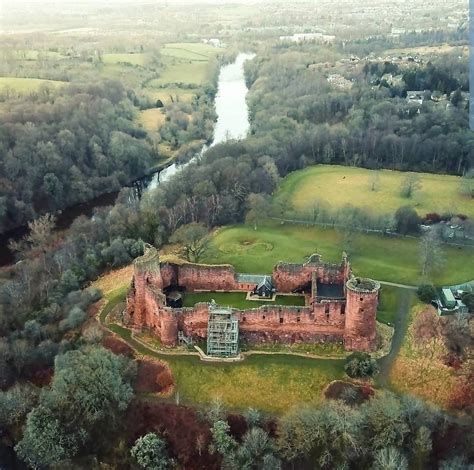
62, 148
369, 122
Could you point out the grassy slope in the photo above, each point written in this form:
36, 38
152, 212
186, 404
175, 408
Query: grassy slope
339, 186
386, 259
419, 368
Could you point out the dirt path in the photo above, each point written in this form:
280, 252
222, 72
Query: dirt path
404, 302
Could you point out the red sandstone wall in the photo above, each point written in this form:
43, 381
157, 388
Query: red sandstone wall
272, 323
360, 328
198, 277
290, 277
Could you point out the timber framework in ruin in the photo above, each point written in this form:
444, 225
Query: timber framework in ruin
339, 307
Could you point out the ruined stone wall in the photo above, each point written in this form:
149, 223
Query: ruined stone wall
205, 277
352, 321
272, 323
290, 277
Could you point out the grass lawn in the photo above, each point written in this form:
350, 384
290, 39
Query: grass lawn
382, 258
238, 299
387, 310
338, 186
271, 383
25, 85
193, 73
152, 119
198, 52
134, 59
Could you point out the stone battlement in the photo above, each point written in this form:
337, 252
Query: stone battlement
345, 314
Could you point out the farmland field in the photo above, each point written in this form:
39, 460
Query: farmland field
198, 52
381, 258
25, 85
171, 94
193, 73
338, 186
134, 59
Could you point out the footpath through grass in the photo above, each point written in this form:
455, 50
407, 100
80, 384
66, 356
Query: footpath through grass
338, 186
378, 257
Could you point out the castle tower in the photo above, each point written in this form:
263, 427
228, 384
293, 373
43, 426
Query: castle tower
361, 310
146, 277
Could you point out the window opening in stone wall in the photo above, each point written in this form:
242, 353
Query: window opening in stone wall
281, 320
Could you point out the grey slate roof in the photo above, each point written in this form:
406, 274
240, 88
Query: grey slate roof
251, 278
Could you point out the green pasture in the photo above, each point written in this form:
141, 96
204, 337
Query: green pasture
379, 257
127, 58
238, 299
338, 186
25, 85
198, 52
34, 55
169, 95
192, 73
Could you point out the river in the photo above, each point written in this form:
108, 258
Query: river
232, 122
231, 109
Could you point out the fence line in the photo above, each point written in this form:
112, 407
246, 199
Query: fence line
387, 233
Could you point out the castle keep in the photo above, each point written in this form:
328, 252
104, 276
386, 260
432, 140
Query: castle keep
338, 307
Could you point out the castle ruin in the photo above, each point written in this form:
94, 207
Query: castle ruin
339, 307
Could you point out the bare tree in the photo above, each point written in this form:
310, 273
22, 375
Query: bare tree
194, 240
410, 185
431, 252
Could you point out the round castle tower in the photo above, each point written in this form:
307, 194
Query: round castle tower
361, 309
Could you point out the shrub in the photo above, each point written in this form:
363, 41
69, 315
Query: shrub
361, 365
426, 293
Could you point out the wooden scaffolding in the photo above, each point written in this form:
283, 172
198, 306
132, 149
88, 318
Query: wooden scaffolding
222, 332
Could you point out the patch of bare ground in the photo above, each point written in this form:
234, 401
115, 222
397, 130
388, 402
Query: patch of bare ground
436, 360
154, 376
350, 393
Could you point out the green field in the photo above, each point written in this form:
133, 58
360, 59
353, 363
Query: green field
387, 309
382, 258
198, 52
25, 85
238, 299
152, 119
271, 383
192, 73
339, 186
134, 59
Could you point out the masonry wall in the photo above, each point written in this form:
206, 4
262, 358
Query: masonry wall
360, 327
289, 277
351, 321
